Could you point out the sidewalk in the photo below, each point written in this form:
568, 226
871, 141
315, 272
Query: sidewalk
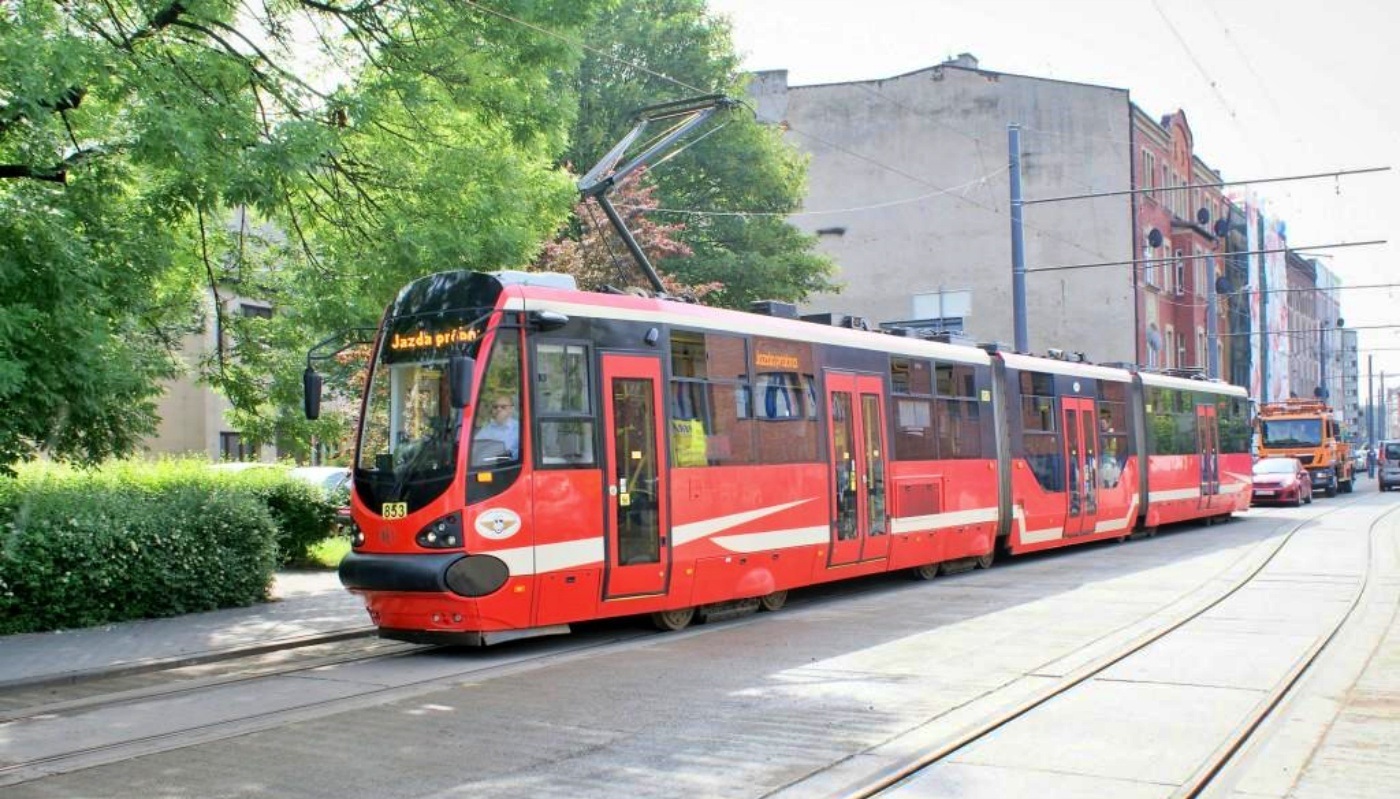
306, 606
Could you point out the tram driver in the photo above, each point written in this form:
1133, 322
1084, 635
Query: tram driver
499, 427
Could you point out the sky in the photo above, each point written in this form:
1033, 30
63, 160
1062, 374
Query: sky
1268, 92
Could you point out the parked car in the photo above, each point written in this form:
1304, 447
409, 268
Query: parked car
329, 478
335, 482
1388, 464
1282, 480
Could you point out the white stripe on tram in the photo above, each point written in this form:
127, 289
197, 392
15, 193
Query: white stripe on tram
909, 524
774, 539
685, 533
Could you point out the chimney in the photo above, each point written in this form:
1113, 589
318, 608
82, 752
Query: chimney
964, 61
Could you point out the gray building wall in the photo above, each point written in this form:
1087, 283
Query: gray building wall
909, 193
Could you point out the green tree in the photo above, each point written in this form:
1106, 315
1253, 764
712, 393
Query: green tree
315, 154
742, 167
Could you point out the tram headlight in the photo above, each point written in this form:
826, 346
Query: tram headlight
357, 536
442, 533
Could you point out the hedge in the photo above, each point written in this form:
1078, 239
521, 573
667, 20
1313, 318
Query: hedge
139, 540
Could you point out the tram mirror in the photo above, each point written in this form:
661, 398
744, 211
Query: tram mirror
311, 388
459, 379
548, 320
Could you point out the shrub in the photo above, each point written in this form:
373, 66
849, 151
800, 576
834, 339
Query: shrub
77, 552
303, 515
139, 539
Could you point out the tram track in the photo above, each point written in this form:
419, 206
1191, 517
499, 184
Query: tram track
888, 780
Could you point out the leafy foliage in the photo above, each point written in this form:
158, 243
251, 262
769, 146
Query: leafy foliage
314, 155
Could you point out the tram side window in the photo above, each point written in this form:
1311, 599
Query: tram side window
563, 404
1038, 402
957, 380
1171, 419
1113, 432
1044, 458
1040, 433
915, 437
959, 415
910, 376
496, 427
1233, 416
959, 428
710, 418
784, 402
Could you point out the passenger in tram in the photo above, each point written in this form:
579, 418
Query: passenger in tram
501, 426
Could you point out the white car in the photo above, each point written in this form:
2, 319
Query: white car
329, 478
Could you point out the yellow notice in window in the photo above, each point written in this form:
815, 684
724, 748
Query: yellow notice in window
636, 454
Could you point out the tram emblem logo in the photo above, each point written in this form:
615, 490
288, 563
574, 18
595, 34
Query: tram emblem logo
498, 524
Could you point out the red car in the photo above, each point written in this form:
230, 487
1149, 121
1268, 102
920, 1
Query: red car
1282, 480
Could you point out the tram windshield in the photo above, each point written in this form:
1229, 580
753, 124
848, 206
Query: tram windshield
1291, 432
410, 435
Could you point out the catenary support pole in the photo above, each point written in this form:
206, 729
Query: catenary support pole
1018, 241
1370, 399
1212, 329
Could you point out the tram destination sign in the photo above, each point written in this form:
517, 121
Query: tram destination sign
427, 343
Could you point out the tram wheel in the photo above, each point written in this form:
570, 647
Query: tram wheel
985, 561
926, 572
773, 601
672, 620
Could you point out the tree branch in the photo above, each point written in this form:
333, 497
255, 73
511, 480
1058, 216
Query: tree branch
67, 101
20, 171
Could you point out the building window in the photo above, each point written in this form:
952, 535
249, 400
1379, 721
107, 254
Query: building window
1152, 266
233, 448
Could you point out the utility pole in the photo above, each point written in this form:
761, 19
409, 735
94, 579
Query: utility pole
1370, 399
1018, 241
1212, 356
1385, 420
1263, 320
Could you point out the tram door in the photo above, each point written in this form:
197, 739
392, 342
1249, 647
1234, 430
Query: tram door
1081, 455
639, 555
1208, 448
857, 457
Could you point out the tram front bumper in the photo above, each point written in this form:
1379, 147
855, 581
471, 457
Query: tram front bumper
465, 575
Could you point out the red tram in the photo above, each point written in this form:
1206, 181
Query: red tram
531, 455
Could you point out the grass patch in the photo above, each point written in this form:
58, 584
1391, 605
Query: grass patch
327, 554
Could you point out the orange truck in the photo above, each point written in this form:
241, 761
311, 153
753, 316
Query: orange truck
1307, 430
